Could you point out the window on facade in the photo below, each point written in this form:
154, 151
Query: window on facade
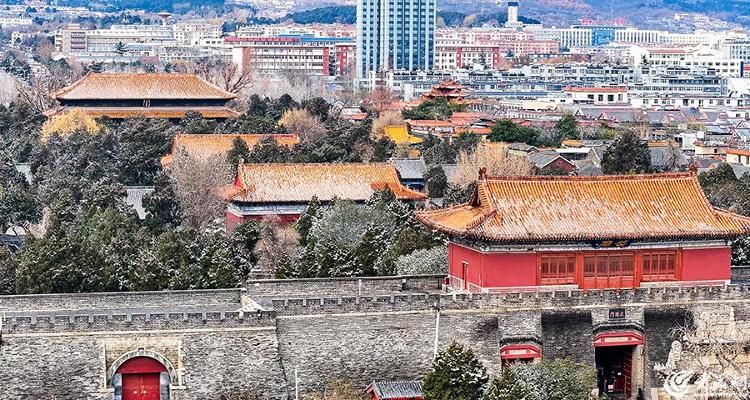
605, 265
659, 266
557, 269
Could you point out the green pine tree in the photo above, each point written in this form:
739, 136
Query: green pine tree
238, 153
437, 182
628, 154
306, 220
507, 387
456, 374
566, 127
121, 48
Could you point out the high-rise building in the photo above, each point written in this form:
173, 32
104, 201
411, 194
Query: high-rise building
513, 15
395, 35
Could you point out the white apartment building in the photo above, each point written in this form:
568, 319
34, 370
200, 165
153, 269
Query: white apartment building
567, 37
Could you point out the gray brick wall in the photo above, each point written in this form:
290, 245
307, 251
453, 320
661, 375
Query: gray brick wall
343, 286
55, 344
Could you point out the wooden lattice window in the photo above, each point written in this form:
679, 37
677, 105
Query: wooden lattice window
557, 269
659, 266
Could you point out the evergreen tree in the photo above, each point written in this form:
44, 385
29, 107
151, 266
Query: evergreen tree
96, 67
18, 205
437, 182
121, 48
238, 153
218, 264
269, 151
627, 154
285, 103
162, 207
507, 387
244, 238
456, 374
556, 380
383, 150
318, 107
193, 122
306, 220
455, 195
116, 239
58, 263
8, 268
506, 130
567, 128
140, 144
176, 255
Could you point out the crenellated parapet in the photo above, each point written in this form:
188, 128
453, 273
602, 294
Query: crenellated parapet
549, 299
115, 322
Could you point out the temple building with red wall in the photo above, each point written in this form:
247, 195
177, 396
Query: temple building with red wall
285, 190
586, 232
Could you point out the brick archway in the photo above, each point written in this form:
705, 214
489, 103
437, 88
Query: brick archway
141, 374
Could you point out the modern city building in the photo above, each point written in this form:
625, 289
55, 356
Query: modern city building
513, 21
395, 35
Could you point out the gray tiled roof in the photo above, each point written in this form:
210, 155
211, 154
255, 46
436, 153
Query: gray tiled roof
397, 389
543, 158
410, 168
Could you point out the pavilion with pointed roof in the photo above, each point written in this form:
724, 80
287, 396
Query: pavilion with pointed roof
586, 232
159, 95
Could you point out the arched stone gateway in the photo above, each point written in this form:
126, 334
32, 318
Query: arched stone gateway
141, 375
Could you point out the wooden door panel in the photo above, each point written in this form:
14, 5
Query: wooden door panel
140, 386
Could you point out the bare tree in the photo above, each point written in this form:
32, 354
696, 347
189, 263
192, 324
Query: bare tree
222, 73
381, 98
200, 181
309, 128
340, 390
277, 247
35, 94
641, 126
8, 90
497, 161
385, 119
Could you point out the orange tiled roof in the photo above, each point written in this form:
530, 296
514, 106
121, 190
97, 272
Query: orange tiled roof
295, 183
738, 152
430, 123
149, 112
110, 86
543, 208
205, 145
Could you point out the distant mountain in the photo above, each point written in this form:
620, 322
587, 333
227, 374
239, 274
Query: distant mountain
325, 15
348, 15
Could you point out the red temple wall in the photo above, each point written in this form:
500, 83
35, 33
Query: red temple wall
707, 264
509, 269
488, 270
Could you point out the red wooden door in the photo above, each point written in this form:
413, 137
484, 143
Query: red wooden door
465, 275
140, 386
627, 371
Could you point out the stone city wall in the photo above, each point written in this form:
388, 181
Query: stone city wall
344, 286
82, 301
68, 354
